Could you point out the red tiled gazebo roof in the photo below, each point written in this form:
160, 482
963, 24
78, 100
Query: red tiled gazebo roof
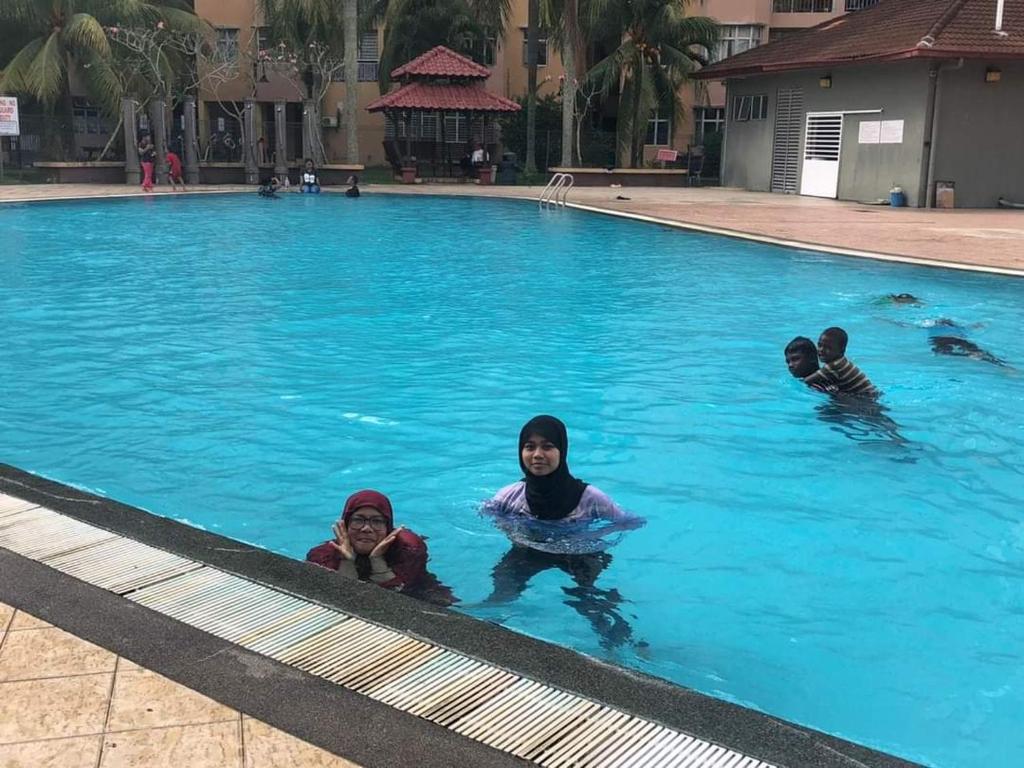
893, 29
443, 97
442, 62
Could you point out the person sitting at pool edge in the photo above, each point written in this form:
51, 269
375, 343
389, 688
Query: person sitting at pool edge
802, 361
310, 182
366, 545
548, 491
836, 369
269, 187
353, 186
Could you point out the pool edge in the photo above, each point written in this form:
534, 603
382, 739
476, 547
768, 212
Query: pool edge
752, 732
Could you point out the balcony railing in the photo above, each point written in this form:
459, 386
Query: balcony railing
859, 5
804, 6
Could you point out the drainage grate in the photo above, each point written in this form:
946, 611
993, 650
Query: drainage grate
525, 718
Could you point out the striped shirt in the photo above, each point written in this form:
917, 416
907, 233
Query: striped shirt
822, 381
849, 379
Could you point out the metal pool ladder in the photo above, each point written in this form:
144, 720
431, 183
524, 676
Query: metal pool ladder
557, 190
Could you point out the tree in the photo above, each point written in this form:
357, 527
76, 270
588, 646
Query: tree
660, 47
65, 36
412, 27
532, 23
323, 34
567, 32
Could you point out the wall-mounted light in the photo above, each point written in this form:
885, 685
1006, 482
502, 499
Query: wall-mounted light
825, 81
993, 75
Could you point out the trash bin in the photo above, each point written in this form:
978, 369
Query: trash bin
945, 194
507, 169
897, 197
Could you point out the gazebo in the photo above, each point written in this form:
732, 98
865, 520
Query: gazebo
441, 102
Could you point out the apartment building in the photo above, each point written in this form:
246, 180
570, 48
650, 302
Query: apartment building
745, 24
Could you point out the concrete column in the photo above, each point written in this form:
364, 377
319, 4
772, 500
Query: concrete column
252, 171
280, 138
132, 170
158, 129
191, 142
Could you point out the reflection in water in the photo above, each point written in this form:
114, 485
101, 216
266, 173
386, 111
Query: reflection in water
861, 419
598, 606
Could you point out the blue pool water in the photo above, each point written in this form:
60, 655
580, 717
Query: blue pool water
243, 364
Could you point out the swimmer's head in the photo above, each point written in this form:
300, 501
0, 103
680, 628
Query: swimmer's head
353, 181
801, 357
543, 445
832, 344
903, 298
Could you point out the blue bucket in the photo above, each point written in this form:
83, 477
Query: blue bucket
897, 199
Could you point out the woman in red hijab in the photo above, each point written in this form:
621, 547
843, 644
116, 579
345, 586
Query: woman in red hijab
368, 547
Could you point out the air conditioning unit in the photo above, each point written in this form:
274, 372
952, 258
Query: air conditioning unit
329, 121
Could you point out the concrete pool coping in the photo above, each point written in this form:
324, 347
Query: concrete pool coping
299, 704
784, 220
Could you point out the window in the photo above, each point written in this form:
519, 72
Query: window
707, 120
749, 108
658, 129
227, 44
542, 48
455, 129
802, 6
262, 38
369, 55
85, 117
736, 38
859, 5
489, 51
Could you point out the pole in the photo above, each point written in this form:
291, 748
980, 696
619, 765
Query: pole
999, 15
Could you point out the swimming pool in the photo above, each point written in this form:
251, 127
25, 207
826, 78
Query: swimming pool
244, 364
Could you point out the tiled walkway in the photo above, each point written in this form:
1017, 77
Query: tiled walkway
66, 703
992, 239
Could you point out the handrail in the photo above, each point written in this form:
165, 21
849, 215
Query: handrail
560, 183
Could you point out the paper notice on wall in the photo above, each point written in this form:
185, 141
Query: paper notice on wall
9, 116
869, 132
891, 132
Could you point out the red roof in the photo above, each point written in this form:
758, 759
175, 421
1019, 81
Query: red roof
893, 29
451, 98
441, 62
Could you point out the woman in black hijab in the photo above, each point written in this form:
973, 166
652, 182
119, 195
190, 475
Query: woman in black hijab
546, 514
551, 492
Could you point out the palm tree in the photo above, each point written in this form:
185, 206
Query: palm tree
65, 36
532, 24
659, 48
567, 31
412, 27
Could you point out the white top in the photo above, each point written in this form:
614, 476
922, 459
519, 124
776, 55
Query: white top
594, 504
479, 155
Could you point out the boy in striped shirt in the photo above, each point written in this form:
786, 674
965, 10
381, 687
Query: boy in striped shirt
847, 377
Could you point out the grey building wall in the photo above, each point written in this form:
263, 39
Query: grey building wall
867, 171
979, 134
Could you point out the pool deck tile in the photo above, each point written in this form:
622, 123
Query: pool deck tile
31, 654
66, 703
991, 239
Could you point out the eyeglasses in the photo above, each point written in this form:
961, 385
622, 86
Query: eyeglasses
377, 523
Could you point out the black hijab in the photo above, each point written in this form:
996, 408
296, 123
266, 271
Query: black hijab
553, 496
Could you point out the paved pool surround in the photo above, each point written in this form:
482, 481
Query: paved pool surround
321, 712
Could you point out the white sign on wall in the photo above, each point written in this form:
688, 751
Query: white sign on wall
9, 116
891, 132
869, 132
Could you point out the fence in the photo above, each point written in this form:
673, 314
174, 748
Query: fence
803, 6
53, 138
